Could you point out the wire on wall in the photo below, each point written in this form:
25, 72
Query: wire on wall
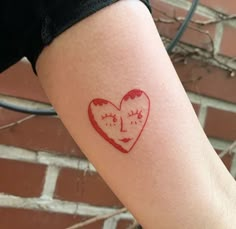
183, 27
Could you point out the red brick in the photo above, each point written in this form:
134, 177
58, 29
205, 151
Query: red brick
73, 185
196, 108
228, 47
205, 79
27, 219
221, 124
21, 178
227, 159
46, 134
20, 81
7, 116
124, 224
191, 36
226, 6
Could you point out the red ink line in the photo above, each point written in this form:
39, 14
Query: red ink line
101, 102
132, 94
122, 126
102, 133
125, 140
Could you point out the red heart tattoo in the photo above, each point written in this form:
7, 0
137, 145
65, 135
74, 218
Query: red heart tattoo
121, 126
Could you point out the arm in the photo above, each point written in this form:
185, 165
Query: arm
164, 170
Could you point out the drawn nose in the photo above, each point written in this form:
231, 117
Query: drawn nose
122, 129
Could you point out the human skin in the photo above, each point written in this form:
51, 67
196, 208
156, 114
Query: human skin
170, 176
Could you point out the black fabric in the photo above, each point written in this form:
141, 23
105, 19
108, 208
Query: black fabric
27, 26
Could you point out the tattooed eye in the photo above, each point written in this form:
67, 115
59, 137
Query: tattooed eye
113, 116
136, 113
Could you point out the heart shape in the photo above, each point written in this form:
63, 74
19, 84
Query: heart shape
121, 126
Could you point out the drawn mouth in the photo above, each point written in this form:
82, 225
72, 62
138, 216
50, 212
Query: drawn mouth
125, 140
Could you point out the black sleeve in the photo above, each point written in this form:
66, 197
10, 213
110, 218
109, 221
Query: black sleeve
27, 26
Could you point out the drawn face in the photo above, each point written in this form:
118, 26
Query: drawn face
121, 126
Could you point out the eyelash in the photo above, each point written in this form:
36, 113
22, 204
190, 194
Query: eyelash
137, 112
109, 116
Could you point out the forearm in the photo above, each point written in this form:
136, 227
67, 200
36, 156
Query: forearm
170, 177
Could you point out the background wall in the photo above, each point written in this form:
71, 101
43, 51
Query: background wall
45, 180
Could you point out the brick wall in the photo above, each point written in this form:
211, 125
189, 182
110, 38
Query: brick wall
46, 181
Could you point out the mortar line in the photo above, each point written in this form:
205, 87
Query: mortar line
233, 167
212, 102
63, 161
111, 223
202, 115
45, 158
51, 177
57, 206
218, 37
220, 144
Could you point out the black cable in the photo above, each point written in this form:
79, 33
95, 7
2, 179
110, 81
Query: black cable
14, 107
169, 48
183, 27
